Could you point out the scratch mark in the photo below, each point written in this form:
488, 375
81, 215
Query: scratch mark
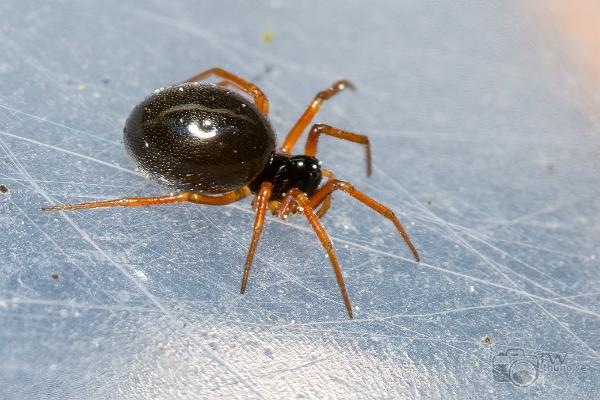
212, 354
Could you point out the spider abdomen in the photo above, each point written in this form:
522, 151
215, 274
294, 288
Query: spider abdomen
199, 138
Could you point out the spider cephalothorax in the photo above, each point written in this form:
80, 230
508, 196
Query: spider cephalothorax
287, 172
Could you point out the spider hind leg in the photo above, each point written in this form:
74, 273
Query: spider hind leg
223, 199
332, 185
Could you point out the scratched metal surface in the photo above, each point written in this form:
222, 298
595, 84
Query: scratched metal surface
479, 148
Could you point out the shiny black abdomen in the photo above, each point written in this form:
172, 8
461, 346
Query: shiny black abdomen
199, 137
286, 172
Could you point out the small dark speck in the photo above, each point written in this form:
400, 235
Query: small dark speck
106, 81
551, 167
429, 202
54, 276
487, 340
266, 71
4, 189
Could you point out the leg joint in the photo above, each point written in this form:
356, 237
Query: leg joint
342, 185
323, 95
317, 128
255, 90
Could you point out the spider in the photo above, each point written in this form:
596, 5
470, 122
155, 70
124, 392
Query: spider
214, 146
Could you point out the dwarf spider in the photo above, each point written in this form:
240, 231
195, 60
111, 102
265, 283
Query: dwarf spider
215, 147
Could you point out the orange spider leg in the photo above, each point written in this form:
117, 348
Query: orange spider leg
295, 196
326, 202
325, 205
260, 99
274, 206
335, 184
296, 131
149, 201
313, 137
262, 200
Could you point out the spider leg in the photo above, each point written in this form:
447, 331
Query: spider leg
325, 205
260, 99
335, 184
149, 201
296, 196
262, 200
274, 206
326, 201
313, 137
296, 131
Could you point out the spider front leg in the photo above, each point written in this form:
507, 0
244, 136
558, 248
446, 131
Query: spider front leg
297, 200
229, 78
261, 202
150, 201
296, 131
325, 191
326, 202
310, 148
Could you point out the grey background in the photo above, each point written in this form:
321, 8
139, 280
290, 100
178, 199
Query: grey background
478, 145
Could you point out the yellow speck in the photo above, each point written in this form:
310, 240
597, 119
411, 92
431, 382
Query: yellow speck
487, 340
267, 37
81, 87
